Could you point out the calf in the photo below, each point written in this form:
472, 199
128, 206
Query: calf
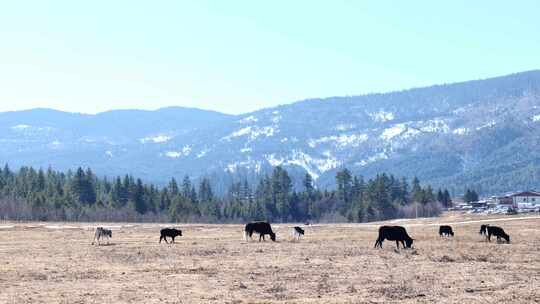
297, 232
262, 228
169, 232
102, 233
394, 233
498, 232
445, 230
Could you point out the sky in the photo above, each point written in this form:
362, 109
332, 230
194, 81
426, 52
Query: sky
240, 56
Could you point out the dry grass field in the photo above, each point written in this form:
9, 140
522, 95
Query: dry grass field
333, 263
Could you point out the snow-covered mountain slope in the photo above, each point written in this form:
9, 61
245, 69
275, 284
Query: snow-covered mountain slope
480, 133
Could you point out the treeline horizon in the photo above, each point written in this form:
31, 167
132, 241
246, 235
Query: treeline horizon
49, 195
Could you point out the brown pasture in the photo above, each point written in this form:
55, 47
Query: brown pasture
333, 263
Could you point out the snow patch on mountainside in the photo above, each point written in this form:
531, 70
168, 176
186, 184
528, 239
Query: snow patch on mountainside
264, 131
245, 150
186, 151
273, 160
173, 154
409, 133
411, 129
161, 138
461, 131
276, 119
314, 166
248, 164
21, 127
253, 132
202, 153
344, 127
434, 125
393, 131
382, 116
372, 159
340, 141
249, 119
29, 128
487, 125
462, 109
536, 118
241, 132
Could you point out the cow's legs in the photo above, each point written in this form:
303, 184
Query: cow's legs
397, 244
173, 239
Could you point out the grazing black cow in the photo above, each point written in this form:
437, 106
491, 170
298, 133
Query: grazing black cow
102, 233
169, 232
262, 228
498, 232
483, 230
445, 230
394, 233
297, 232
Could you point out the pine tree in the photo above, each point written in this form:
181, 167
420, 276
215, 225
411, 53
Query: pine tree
308, 184
281, 188
138, 198
428, 196
186, 187
205, 191
447, 199
173, 187
82, 187
474, 196
344, 185
417, 194
440, 197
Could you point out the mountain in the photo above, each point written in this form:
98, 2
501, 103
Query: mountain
482, 134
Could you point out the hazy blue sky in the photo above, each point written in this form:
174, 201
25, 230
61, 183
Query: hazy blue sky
238, 56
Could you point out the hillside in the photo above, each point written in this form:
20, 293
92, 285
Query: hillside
481, 133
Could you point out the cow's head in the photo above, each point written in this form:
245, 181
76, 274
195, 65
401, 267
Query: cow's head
483, 229
408, 242
273, 236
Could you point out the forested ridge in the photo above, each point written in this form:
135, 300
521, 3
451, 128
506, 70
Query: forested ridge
37, 194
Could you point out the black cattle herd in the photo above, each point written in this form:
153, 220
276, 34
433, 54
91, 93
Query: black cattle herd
391, 233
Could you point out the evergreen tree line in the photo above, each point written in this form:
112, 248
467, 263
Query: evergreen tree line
31, 194
470, 196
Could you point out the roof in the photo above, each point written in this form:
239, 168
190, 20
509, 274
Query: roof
526, 193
